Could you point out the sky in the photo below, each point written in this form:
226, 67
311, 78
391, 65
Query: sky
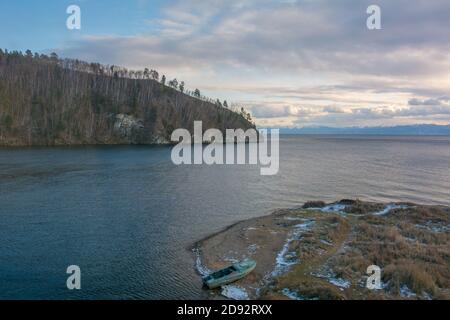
291, 63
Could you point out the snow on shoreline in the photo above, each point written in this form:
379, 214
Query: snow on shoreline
229, 291
331, 208
201, 269
434, 227
389, 208
339, 208
339, 282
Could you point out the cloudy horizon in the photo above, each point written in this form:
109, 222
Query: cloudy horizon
292, 63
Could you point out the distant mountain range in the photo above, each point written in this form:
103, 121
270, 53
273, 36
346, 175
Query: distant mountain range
419, 129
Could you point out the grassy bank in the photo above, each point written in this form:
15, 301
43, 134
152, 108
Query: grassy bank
322, 252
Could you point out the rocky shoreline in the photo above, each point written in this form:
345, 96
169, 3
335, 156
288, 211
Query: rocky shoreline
322, 251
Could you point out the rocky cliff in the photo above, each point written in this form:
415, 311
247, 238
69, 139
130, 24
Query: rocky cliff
48, 101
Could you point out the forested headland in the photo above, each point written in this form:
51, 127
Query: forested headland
47, 101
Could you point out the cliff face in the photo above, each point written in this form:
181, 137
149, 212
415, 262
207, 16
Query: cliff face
44, 103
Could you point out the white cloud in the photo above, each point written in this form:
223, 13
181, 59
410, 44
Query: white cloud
291, 61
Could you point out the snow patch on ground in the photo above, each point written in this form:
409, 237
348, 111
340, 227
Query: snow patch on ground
231, 260
331, 208
427, 296
434, 227
234, 292
389, 208
291, 294
329, 275
294, 295
201, 269
328, 243
405, 292
286, 259
340, 208
339, 282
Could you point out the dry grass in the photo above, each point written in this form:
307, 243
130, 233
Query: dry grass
360, 207
410, 245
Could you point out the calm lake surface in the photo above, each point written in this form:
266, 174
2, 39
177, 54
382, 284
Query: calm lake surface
127, 216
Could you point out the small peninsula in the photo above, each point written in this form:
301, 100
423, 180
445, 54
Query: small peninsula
322, 251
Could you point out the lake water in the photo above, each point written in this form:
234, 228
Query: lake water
127, 216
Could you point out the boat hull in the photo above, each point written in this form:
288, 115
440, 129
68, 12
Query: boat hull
216, 283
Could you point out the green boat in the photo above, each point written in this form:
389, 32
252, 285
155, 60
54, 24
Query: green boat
230, 274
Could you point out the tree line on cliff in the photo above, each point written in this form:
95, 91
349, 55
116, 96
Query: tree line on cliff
45, 100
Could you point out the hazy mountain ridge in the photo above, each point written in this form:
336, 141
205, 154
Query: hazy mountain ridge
419, 129
44, 103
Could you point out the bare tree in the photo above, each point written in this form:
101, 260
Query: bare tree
173, 83
181, 86
154, 74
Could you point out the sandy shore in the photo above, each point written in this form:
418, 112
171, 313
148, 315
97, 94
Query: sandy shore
322, 251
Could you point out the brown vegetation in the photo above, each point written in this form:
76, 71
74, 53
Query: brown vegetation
411, 246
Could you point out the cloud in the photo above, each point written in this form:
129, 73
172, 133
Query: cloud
339, 116
274, 111
428, 102
334, 109
380, 116
319, 35
265, 111
292, 59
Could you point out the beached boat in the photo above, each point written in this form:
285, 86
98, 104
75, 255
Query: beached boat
230, 274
